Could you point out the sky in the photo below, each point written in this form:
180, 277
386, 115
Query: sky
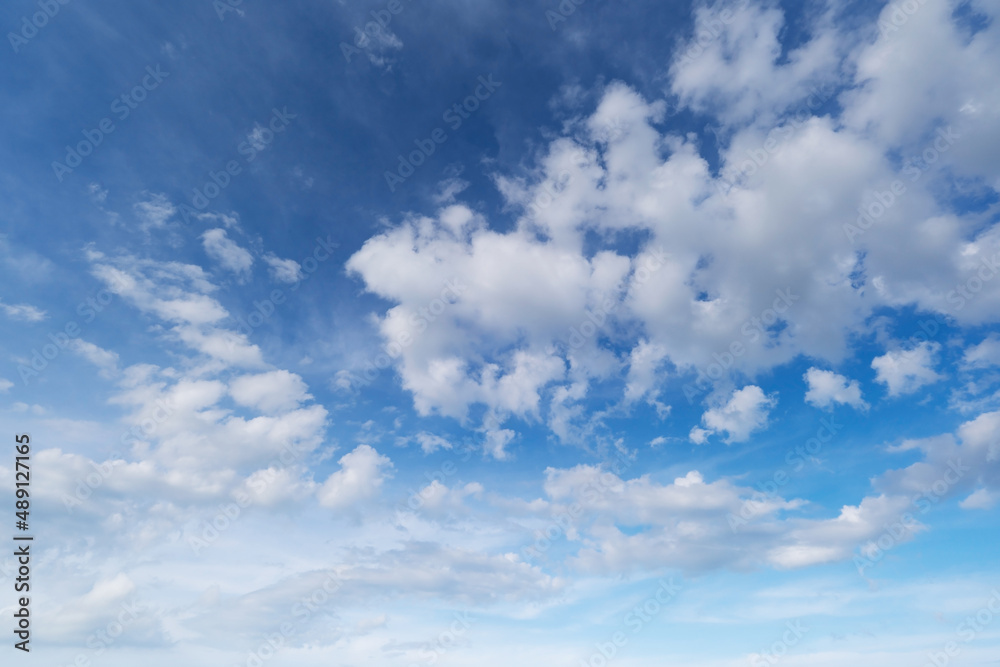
478, 333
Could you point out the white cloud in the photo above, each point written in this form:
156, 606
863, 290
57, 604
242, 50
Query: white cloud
23, 312
271, 392
227, 252
154, 212
283, 270
360, 478
985, 354
105, 360
430, 443
5, 385
746, 411
906, 371
827, 388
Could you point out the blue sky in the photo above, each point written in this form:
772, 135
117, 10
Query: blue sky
389, 333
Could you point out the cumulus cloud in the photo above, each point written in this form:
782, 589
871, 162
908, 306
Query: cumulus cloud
746, 411
274, 391
430, 442
827, 388
283, 270
360, 478
227, 252
906, 371
984, 354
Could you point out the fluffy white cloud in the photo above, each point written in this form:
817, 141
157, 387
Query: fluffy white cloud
360, 478
227, 252
5, 385
274, 391
154, 212
746, 411
827, 388
430, 443
985, 354
906, 371
283, 270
